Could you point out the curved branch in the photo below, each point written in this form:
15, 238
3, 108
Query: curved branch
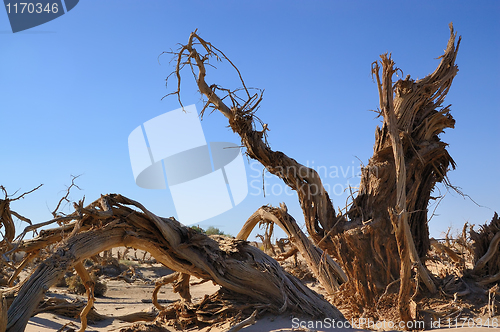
314, 200
326, 270
89, 288
159, 284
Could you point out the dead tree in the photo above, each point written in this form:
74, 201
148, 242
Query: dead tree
409, 141
385, 230
324, 268
243, 271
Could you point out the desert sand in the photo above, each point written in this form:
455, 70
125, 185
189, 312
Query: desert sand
123, 298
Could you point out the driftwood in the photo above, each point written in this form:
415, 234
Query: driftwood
244, 323
233, 264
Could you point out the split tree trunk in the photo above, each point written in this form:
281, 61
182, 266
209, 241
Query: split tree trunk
419, 118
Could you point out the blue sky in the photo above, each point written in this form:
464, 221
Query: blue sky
73, 89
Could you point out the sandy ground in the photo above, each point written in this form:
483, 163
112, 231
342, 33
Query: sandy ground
123, 298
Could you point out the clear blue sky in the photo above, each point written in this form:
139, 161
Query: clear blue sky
73, 89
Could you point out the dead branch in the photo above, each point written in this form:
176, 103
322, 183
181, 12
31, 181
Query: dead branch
292, 252
444, 249
28, 258
314, 200
161, 282
73, 309
329, 273
490, 279
486, 244
89, 288
65, 197
249, 321
492, 250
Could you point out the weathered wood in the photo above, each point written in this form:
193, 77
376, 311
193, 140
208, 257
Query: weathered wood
398, 214
419, 119
490, 279
160, 283
82, 245
233, 264
21, 267
485, 244
445, 250
325, 269
361, 240
244, 323
89, 288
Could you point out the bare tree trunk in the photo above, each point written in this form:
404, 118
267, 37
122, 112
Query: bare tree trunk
3, 313
419, 119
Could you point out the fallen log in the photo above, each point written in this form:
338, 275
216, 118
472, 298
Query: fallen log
234, 264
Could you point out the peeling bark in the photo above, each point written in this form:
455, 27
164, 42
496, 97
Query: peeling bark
419, 118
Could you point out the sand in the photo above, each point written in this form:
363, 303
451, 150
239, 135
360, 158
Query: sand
124, 298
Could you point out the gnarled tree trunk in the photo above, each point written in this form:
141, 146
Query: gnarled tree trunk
419, 119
